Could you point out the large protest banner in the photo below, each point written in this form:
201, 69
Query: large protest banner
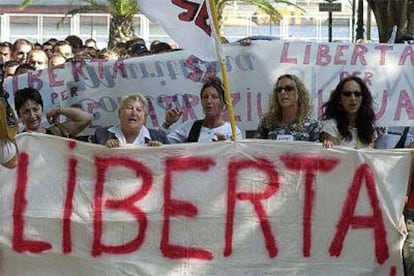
253, 207
174, 79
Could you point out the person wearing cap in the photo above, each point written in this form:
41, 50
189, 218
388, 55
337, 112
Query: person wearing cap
138, 49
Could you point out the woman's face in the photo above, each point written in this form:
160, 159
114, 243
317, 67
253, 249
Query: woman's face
351, 97
31, 115
286, 93
132, 115
212, 103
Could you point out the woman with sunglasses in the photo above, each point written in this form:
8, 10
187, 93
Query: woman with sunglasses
288, 117
348, 116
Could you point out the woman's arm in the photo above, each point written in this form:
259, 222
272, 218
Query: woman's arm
76, 119
8, 154
328, 140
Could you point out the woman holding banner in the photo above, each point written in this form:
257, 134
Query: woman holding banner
28, 104
288, 117
348, 116
212, 127
132, 112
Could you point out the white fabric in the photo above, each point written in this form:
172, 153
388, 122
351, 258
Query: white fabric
198, 38
207, 135
140, 140
180, 196
7, 151
330, 127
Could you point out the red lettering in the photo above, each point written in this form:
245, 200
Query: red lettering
77, 70
174, 207
359, 52
323, 58
52, 75
404, 101
190, 7
339, 53
307, 55
408, 52
284, 57
34, 80
383, 106
203, 19
383, 49
127, 205
272, 187
348, 217
20, 244
100, 67
68, 207
119, 65
310, 165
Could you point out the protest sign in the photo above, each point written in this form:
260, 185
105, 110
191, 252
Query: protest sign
246, 208
174, 79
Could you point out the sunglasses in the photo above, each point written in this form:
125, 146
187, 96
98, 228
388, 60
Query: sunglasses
349, 93
287, 88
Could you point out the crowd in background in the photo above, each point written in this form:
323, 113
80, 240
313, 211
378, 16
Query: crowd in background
23, 56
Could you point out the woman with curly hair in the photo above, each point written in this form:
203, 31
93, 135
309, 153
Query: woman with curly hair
289, 117
348, 116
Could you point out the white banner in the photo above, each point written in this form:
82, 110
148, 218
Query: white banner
246, 208
190, 24
174, 79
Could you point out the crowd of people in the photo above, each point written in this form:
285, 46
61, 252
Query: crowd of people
23, 56
348, 117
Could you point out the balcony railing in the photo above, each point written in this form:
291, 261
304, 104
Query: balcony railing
41, 27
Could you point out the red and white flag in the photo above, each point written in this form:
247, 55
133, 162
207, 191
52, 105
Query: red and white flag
189, 23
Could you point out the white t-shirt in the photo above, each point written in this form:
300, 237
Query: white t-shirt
7, 151
140, 140
330, 127
207, 135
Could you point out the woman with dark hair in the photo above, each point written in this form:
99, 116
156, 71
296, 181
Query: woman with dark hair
212, 127
288, 117
348, 117
28, 104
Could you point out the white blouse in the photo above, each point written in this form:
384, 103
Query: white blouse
207, 135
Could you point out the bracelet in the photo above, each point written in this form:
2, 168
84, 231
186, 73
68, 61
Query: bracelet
165, 125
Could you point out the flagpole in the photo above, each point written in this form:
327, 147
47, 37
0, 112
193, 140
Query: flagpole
223, 68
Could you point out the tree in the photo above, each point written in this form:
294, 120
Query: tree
121, 28
265, 5
390, 13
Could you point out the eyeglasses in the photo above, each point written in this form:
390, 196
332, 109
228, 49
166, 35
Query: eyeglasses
350, 93
287, 88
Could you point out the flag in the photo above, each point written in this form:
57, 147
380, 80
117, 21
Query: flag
189, 23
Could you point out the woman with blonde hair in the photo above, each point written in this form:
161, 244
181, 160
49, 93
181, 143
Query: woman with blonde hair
132, 113
288, 117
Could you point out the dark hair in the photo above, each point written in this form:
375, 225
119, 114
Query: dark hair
24, 68
213, 81
25, 94
11, 63
74, 41
365, 119
6, 44
160, 47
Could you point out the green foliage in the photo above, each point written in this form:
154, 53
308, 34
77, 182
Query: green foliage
120, 11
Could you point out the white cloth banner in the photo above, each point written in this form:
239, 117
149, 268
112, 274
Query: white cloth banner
173, 79
246, 208
188, 23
